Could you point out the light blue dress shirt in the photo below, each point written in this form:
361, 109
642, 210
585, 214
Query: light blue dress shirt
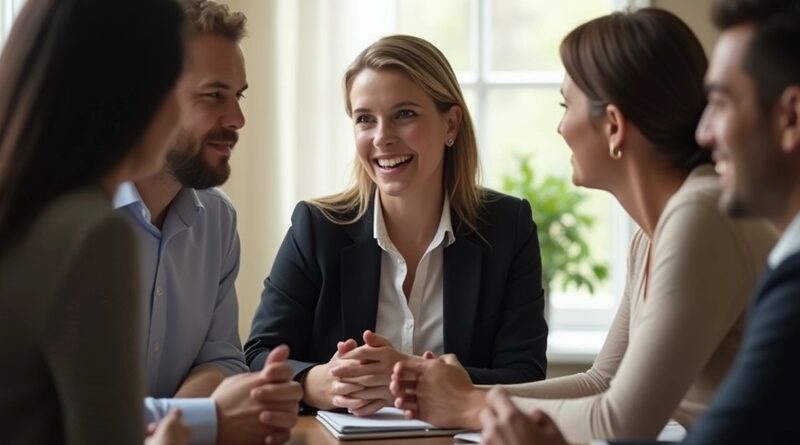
189, 268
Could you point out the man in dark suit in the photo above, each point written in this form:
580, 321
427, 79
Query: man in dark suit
752, 125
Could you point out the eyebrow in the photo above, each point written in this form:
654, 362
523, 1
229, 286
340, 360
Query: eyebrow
223, 86
394, 107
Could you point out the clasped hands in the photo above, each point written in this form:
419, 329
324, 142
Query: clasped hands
356, 377
439, 391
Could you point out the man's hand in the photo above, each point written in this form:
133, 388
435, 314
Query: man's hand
364, 374
503, 424
258, 407
438, 391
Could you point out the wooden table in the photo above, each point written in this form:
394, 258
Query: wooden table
310, 432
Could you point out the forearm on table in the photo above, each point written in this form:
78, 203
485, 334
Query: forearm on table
201, 381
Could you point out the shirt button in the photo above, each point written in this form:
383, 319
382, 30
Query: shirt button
159, 291
156, 346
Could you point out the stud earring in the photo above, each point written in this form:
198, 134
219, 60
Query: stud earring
614, 152
450, 142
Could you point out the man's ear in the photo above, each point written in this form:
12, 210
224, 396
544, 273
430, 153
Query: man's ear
615, 126
788, 110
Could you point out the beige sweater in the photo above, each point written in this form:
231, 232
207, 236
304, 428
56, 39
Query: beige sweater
668, 348
70, 328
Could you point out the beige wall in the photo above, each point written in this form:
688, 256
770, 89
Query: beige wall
254, 162
696, 13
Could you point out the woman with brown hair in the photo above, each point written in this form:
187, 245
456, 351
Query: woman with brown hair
414, 257
633, 95
86, 102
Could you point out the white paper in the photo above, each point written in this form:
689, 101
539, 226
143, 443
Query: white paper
385, 419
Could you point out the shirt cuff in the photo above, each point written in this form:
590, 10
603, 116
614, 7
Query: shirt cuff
200, 415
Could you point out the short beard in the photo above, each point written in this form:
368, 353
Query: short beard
186, 163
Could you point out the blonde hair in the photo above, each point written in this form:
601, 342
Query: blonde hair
429, 69
208, 16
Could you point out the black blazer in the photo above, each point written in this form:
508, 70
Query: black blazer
324, 284
759, 401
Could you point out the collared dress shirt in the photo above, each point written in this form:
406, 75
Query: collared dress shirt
191, 312
415, 324
788, 245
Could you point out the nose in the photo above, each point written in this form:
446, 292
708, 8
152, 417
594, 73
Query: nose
384, 134
703, 134
233, 118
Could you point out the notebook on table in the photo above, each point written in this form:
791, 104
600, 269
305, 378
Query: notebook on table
386, 423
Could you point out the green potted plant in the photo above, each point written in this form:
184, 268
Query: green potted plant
562, 228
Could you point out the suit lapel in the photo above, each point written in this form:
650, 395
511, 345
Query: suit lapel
462, 276
360, 279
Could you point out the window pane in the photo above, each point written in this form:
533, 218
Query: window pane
523, 121
445, 23
526, 34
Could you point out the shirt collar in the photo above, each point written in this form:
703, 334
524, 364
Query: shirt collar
187, 203
788, 244
444, 233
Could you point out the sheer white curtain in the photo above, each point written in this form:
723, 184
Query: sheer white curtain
297, 142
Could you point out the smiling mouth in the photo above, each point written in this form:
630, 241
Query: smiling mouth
393, 163
223, 146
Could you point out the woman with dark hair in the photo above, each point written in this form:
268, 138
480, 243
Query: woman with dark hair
86, 102
633, 95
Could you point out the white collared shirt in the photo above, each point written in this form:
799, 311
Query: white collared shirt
788, 244
415, 325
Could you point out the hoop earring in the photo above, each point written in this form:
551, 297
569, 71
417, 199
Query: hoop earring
614, 152
450, 142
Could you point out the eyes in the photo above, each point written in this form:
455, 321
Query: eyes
219, 95
399, 115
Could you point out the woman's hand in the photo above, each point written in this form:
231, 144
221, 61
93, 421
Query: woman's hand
169, 431
437, 390
363, 376
320, 387
503, 424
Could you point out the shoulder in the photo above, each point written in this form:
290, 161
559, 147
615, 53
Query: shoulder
500, 209
694, 213
79, 214
78, 224
215, 199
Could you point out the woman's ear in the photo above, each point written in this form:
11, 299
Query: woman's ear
615, 126
453, 116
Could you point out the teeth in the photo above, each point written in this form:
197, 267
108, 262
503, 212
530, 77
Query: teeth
721, 167
389, 163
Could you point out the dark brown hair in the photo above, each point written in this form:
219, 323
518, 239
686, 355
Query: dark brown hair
208, 16
72, 104
773, 57
651, 66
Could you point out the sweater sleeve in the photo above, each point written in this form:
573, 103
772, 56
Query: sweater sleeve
597, 379
92, 343
700, 276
